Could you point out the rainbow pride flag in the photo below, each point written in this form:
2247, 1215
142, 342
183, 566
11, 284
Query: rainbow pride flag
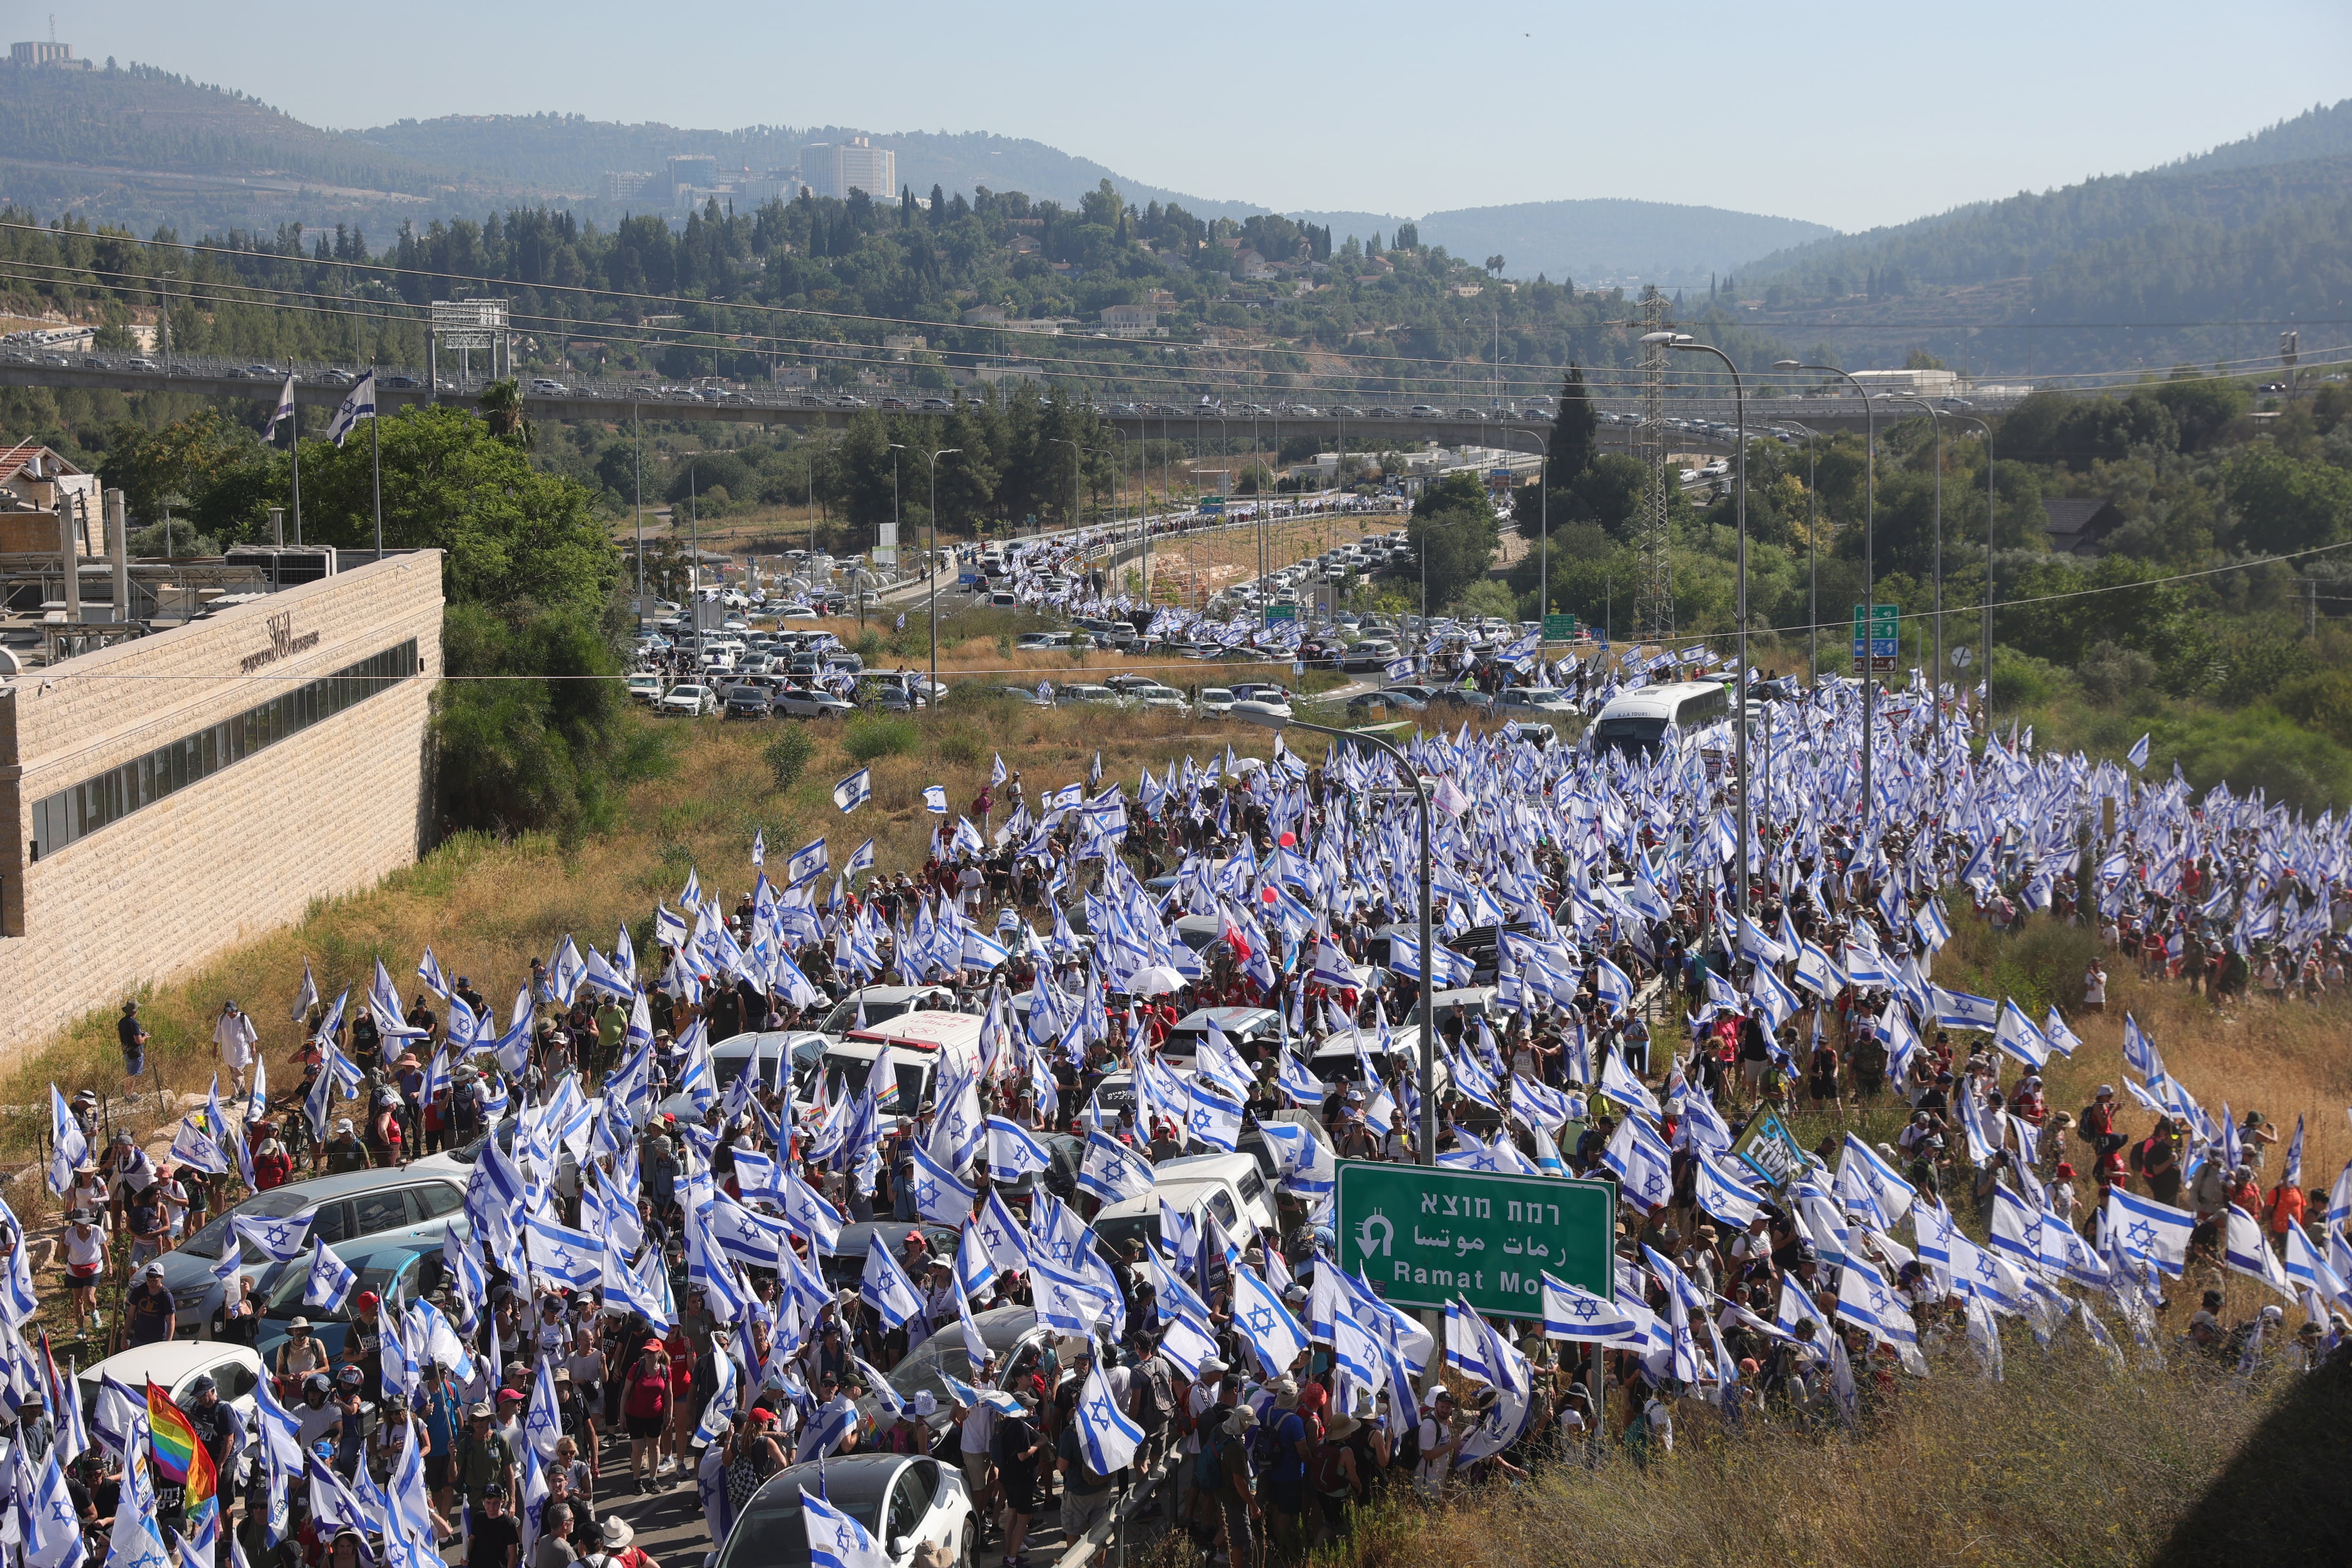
180, 1457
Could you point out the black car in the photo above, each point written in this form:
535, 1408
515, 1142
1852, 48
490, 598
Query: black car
746, 703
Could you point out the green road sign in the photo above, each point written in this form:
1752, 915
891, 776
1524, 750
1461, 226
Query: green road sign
1559, 628
1767, 1148
1282, 612
1424, 1236
1213, 506
1885, 620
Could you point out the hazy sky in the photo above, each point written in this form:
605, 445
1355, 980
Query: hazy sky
1845, 113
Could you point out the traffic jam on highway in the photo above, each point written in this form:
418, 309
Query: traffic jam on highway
768, 651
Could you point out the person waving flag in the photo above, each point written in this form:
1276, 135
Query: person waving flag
182, 1459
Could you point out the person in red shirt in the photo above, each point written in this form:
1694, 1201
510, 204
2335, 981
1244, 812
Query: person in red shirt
2283, 1211
272, 1165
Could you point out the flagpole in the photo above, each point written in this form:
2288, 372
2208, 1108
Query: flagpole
294, 450
376, 464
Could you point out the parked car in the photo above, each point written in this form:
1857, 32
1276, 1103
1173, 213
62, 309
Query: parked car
397, 1273
907, 1503
691, 698
646, 689
745, 702
395, 1205
174, 1365
807, 703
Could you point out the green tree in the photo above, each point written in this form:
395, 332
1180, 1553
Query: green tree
214, 474
2284, 504
1453, 531
1575, 431
512, 533
501, 407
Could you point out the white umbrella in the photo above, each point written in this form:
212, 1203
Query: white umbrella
1155, 980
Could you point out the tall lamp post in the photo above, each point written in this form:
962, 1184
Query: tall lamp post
1682, 343
1869, 539
931, 561
1543, 520
1074, 452
1935, 665
1813, 567
1276, 719
1970, 419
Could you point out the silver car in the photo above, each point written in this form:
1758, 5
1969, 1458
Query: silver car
396, 1205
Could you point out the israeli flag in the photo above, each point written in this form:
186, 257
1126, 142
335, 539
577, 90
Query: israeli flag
2137, 756
52, 1528
2154, 1231
1928, 920
1958, 1010
67, 1140
329, 1284
835, 1540
884, 1286
285, 409
1105, 1434
854, 791
1067, 1302
807, 864
1722, 1193
975, 1270
860, 859
1617, 1082
358, 404
1214, 1118
1573, 1313
1297, 1085
2247, 1251
1894, 1195
1398, 670
562, 1257
1614, 986
941, 1195
935, 799
1112, 1170
1013, 1151
1275, 1336
281, 1240
2015, 1034
1642, 1160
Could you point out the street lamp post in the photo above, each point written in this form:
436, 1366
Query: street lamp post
1276, 720
931, 562
1543, 517
1813, 567
1986, 674
1936, 665
1869, 541
1682, 343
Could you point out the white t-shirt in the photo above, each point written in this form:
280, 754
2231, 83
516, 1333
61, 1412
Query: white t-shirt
1429, 1474
81, 1253
1197, 1404
979, 1427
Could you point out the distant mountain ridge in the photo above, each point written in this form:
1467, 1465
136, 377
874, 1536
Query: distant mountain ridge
2233, 187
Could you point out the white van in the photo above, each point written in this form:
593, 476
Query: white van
1635, 721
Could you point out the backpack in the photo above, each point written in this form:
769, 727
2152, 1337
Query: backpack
1208, 1465
1153, 1395
1407, 1454
1328, 1478
1266, 1447
2083, 1126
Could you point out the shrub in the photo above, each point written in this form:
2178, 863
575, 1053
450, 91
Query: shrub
869, 737
960, 744
788, 755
